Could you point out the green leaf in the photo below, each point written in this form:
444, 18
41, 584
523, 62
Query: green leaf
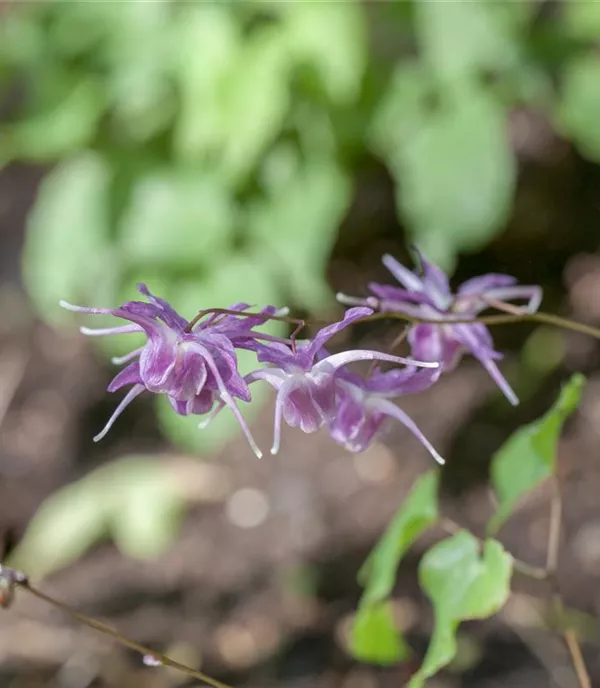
177, 219
133, 500
221, 288
581, 19
456, 176
147, 518
294, 229
139, 57
579, 109
461, 584
253, 117
375, 639
340, 63
206, 52
529, 455
61, 128
67, 252
417, 513
462, 38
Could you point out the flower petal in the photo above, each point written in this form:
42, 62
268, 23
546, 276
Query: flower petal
394, 411
434, 278
326, 333
128, 376
398, 382
405, 276
129, 397
477, 285
168, 314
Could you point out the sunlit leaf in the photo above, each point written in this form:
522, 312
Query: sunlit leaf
461, 583
417, 513
462, 37
529, 455
374, 638
177, 219
149, 511
456, 176
63, 127
340, 63
67, 252
255, 102
133, 500
581, 19
206, 52
295, 228
139, 55
579, 109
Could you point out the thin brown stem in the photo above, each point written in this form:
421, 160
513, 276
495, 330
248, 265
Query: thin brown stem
568, 632
150, 655
504, 319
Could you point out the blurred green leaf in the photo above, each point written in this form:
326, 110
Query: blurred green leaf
140, 59
529, 455
235, 92
67, 252
375, 639
149, 511
404, 106
294, 229
207, 49
417, 513
456, 177
331, 38
177, 219
256, 101
579, 108
581, 19
62, 128
221, 288
132, 499
65, 526
461, 38
461, 584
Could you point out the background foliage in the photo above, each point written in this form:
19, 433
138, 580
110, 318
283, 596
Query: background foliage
211, 149
199, 146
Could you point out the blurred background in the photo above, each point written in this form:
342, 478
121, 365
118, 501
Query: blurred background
272, 152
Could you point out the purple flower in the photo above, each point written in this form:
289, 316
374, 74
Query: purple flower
304, 376
194, 366
428, 297
363, 406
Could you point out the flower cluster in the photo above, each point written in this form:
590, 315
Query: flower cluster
427, 297
194, 363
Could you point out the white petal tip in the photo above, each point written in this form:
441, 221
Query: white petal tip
439, 459
274, 451
258, 453
97, 438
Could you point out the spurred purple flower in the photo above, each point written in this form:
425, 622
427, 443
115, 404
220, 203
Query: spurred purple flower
194, 366
364, 406
304, 376
428, 296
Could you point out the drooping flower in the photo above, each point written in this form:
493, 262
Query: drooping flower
428, 296
304, 376
364, 406
193, 364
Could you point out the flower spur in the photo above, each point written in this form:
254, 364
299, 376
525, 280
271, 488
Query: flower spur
193, 364
428, 297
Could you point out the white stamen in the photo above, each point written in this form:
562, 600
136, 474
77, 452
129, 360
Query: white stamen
135, 391
100, 332
119, 360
